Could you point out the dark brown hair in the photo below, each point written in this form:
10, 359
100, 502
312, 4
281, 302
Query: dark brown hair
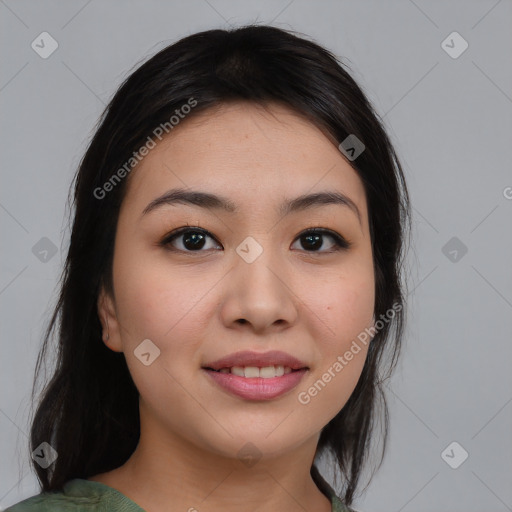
88, 411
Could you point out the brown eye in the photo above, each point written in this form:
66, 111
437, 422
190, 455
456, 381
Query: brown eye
313, 240
191, 239
194, 239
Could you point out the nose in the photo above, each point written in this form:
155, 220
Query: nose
260, 296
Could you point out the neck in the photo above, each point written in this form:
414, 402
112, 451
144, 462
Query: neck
168, 472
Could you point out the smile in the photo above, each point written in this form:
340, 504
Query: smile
253, 383
251, 372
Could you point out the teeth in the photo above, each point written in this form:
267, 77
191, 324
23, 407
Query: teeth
238, 370
266, 372
251, 371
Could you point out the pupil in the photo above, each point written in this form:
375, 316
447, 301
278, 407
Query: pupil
316, 238
197, 239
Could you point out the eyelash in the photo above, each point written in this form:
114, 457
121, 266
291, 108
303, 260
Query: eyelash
340, 242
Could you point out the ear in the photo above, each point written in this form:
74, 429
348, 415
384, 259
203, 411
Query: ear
108, 318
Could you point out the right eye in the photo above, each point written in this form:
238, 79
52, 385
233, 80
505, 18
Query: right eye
192, 239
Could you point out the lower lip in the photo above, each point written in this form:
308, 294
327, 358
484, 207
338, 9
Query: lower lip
257, 388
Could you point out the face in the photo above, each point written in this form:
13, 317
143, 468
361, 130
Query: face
195, 284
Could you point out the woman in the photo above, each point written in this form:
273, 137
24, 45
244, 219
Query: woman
232, 287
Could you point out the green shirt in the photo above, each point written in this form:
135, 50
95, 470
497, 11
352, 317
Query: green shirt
85, 495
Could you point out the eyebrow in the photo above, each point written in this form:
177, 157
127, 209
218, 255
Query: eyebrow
207, 200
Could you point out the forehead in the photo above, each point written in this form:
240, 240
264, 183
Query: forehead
257, 156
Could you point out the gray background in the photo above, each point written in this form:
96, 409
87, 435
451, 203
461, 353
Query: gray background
451, 122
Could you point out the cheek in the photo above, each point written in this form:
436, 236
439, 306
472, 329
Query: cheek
159, 304
353, 307
345, 306
352, 312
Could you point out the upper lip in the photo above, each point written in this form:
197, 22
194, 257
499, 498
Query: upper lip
260, 359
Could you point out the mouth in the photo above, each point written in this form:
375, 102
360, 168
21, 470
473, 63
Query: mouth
252, 372
256, 376
255, 388
251, 360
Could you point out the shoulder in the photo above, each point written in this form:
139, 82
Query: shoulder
78, 495
339, 506
41, 503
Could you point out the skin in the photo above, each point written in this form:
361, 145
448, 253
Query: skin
306, 302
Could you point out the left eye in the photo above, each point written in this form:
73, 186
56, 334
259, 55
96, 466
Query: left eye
313, 239
193, 240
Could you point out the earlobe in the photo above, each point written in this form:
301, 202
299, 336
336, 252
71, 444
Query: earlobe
108, 320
